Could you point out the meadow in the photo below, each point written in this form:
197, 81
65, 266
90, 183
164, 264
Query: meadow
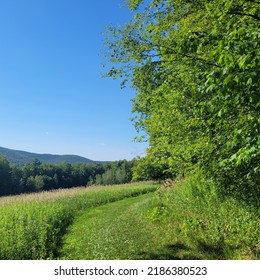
32, 226
187, 220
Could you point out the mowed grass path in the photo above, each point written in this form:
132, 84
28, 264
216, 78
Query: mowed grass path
187, 221
32, 226
118, 230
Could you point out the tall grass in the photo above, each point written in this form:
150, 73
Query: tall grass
32, 226
201, 225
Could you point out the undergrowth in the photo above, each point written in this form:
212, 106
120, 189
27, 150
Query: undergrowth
198, 224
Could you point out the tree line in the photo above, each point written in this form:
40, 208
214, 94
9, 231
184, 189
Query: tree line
37, 176
195, 68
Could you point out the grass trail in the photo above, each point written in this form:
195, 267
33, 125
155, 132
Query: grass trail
118, 230
187, 221
32, 226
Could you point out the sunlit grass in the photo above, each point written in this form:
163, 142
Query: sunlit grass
186, 221
31, 226
59, 193
118, 230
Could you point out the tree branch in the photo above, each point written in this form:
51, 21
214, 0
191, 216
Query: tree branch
242, 14
192, 57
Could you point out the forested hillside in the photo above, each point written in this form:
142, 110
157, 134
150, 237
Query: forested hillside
21, 157
195, 68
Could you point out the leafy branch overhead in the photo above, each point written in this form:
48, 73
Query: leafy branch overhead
195, 68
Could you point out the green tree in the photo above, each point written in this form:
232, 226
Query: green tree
5, 177
149, 168
195, 68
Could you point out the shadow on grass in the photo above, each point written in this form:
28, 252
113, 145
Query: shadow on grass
218, 251
180, 251
176, 251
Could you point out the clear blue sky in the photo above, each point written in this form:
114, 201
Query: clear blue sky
52, 95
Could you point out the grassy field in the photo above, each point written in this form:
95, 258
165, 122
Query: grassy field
185, 221
32, 226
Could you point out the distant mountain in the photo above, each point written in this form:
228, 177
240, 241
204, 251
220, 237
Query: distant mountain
22, 157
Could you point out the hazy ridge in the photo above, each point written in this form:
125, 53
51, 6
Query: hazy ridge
22, 157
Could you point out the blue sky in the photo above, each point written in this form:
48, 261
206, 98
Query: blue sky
53, 98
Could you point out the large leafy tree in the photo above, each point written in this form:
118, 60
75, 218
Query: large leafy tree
195, 67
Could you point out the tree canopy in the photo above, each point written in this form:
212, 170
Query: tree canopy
195, 68
37, 176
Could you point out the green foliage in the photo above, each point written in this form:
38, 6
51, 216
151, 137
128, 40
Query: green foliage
119, 172
195, 68
5, 175
150, 169
37, 176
